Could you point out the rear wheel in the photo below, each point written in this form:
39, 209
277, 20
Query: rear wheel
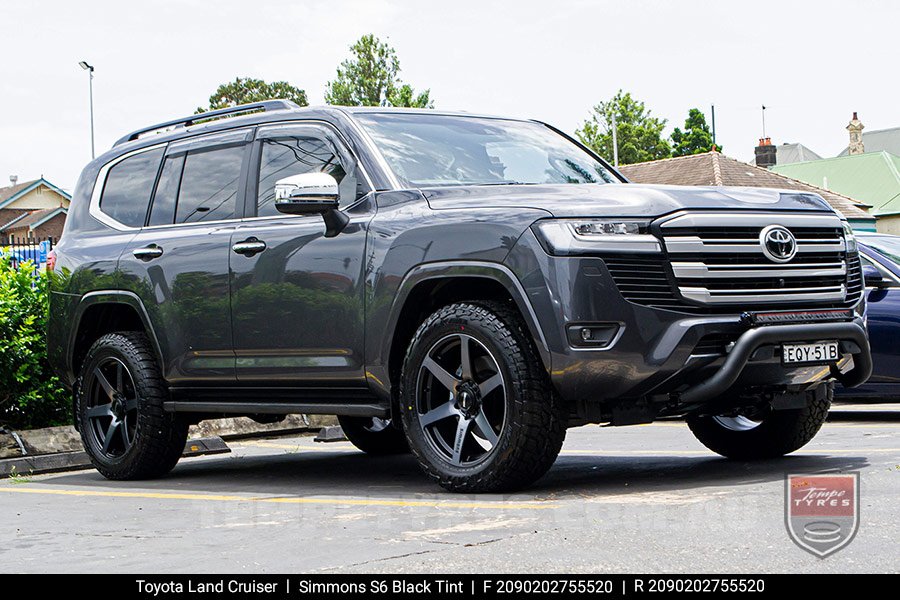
374, 435
477, 405
768, 434
125, 430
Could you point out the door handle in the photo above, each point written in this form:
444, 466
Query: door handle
147, 252
249, 247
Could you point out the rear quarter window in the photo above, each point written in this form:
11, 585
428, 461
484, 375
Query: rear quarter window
128, 187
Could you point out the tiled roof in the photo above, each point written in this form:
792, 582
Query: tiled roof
11, 190
8, 224
33, 218
713, 168
11, 193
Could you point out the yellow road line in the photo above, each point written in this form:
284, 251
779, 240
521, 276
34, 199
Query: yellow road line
19, 489
301, 448
344, 447
332, 447
710, 453
860, 424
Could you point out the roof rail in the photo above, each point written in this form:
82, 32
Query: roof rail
264, 106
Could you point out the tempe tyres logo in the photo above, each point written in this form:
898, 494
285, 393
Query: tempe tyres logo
821, 512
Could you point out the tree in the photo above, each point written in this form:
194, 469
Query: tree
696, 137
370, 78
244, 90
638, 133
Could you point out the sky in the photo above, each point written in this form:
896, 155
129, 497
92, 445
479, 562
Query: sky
811, 63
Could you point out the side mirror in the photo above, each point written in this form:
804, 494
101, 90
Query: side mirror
312, 194
873, 277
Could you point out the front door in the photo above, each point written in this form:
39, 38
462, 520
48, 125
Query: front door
297, 300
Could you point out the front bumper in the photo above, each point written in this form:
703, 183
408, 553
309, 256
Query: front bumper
851, 334
660, 352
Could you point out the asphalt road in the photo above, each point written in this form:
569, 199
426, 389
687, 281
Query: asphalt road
634, 499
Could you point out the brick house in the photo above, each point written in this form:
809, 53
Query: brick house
34, 209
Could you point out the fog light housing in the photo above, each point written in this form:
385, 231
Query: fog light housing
592, 335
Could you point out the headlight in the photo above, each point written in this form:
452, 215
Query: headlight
608, 227
581, 236
850, 238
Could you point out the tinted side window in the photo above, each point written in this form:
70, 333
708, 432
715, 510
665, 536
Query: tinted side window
209, 185
163, 210
128, 187
292, 155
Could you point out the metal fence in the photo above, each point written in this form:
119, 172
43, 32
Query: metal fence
22, 250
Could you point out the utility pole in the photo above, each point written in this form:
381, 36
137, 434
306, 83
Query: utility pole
615, 140
713, 111
90, 71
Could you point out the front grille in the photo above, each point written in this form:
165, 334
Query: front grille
715, 263
696, 243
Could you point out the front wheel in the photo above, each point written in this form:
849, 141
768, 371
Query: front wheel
477, 405
770, 434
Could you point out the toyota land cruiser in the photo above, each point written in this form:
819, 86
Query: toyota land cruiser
462, 287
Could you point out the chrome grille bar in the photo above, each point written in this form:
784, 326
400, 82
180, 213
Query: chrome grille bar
696, 245
694, 270
818, 294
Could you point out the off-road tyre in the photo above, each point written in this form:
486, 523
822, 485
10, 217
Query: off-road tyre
779, 432
158, 437
534, 425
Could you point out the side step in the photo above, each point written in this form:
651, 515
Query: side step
278, 408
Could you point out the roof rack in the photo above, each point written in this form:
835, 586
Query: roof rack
265, 106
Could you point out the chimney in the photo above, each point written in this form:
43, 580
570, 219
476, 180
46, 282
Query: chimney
765, 153
856, 142
13, 179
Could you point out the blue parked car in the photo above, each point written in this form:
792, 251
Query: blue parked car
880, 254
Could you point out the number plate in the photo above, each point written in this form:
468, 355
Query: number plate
810, 354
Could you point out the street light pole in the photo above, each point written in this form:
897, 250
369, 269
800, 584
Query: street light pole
90, 71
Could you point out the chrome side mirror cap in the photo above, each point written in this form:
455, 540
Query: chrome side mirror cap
312, 194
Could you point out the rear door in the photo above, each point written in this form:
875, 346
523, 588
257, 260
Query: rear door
178, 262
297, 305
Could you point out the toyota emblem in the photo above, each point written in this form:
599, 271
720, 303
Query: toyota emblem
778, 243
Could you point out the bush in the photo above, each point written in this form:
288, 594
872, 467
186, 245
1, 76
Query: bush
30, 395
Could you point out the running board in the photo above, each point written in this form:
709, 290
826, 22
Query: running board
277, 408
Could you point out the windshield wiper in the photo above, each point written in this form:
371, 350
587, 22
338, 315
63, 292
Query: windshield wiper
502, 183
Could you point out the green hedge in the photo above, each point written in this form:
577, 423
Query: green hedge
30, 395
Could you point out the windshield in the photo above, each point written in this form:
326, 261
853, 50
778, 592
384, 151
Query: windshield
426, 150
888, 246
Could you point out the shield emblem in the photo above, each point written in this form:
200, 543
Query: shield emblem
821, 512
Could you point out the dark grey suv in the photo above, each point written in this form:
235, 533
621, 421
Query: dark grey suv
458, 286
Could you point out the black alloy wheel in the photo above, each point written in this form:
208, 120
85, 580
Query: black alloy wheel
461, 399
112, 407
